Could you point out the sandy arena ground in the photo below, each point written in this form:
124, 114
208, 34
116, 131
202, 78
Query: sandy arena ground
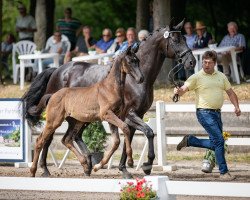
187, 170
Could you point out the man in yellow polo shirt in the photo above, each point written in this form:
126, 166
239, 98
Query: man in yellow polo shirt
209, 85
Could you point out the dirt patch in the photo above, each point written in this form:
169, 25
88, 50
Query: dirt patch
186, 170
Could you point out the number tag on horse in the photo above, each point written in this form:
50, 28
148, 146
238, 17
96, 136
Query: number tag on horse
166, 34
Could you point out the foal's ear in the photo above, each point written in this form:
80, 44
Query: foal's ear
128, 51
180, 25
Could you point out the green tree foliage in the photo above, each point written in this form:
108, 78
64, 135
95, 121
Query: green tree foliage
100, 14
10, 14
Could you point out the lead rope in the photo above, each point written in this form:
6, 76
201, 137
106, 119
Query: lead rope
176, 97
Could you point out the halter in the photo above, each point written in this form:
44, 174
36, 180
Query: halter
179, 58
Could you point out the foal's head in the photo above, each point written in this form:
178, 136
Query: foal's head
130, 64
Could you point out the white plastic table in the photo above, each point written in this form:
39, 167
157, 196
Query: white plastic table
199, 52
93, 57
39, 57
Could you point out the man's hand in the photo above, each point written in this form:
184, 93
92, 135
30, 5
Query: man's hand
180, 90
237, 111
177, 90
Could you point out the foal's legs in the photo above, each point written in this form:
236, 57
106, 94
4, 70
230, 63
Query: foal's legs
40, 141
113, 119
67, 140
43, 161
136, 122
116, 142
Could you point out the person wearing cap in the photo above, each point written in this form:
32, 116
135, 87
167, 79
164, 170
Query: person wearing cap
203, 38
25, 24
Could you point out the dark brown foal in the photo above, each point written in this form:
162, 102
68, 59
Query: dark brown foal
102, 101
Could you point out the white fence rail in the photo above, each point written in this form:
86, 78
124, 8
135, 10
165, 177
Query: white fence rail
162, 140
165, 188
158, 126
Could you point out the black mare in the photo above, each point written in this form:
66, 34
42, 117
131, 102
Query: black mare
165, 42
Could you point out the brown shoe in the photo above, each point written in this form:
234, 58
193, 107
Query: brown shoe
227, 177
183, 143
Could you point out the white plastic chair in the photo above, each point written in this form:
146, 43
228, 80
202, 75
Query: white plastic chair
239, 66
21, 48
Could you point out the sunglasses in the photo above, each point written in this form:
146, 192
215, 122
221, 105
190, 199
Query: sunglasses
119, 36
106, 35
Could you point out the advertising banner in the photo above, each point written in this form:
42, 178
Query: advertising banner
11, 131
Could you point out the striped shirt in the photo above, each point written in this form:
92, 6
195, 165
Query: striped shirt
69, 28
237, 40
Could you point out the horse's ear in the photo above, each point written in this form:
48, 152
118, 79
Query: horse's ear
180, 25
128, 51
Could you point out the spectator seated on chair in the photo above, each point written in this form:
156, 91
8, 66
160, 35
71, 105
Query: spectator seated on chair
233, 38
55, 46
103, 44
131, 40
142, 34
84, 42
203, 38
120, 34
6, 49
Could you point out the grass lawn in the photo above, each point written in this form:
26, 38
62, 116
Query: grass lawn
160, 93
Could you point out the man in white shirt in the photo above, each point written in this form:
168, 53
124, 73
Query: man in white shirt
25, 24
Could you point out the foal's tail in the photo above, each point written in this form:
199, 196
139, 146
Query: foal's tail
33, 96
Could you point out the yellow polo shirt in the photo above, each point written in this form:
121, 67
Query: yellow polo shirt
208, 88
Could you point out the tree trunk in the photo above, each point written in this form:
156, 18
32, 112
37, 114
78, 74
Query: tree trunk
50, 11
41, 24
142, 15
32, 10
161, 15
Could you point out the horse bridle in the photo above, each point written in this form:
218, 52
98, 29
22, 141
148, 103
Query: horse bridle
179, 65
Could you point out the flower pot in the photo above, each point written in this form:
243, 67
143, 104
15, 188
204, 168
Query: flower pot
96, 157
207, 167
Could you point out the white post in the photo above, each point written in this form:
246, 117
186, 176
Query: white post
159, 184
161, 137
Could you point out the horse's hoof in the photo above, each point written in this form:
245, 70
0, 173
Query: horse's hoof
86, 174
46, 174
130, 163
147, 168
97, 167
126, 174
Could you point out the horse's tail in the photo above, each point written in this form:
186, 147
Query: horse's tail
33, 96
36, 111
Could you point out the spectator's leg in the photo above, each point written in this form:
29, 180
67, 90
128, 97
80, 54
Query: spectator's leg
224, 60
